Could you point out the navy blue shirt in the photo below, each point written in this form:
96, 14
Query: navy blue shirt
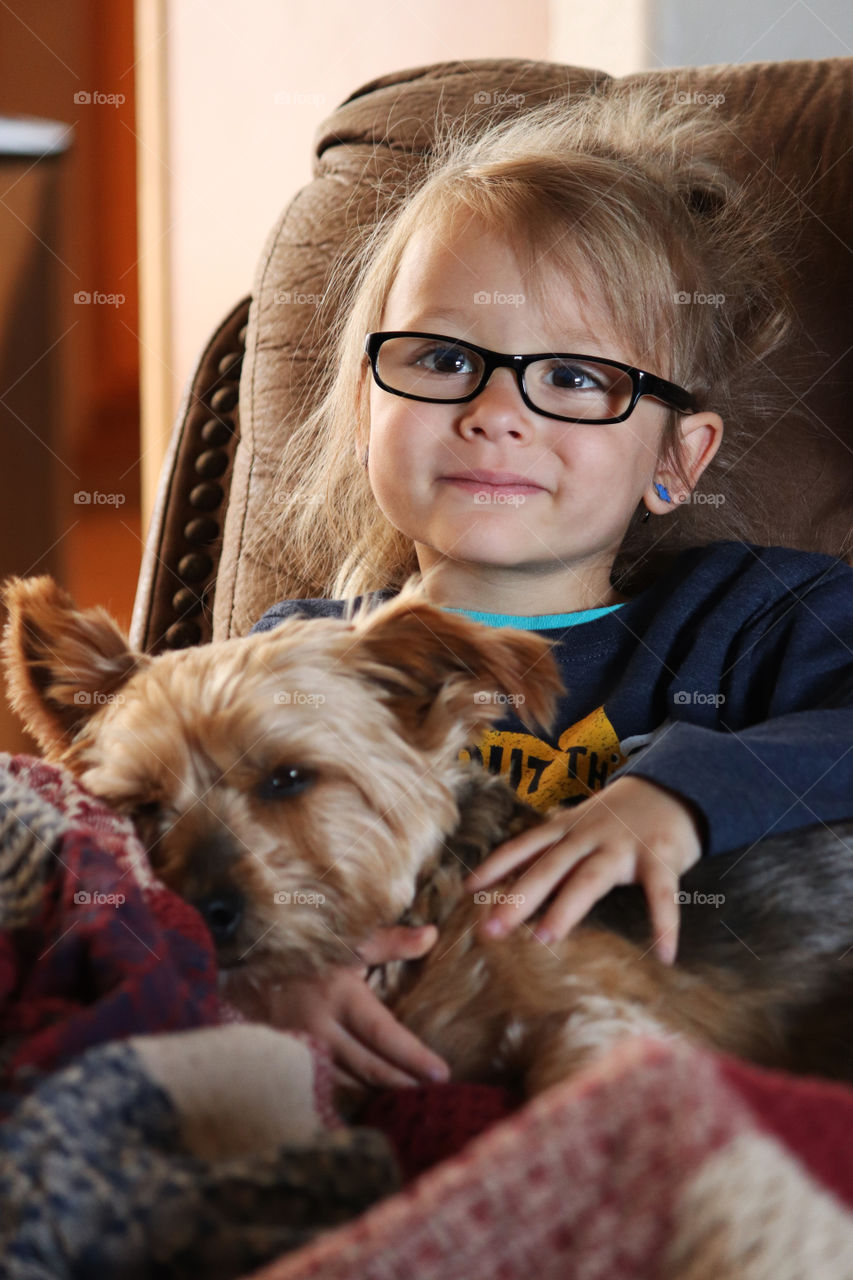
729, 681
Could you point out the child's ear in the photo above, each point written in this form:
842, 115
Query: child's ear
439, 669
61, 663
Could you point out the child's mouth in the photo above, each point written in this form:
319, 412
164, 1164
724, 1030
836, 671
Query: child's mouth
492, 487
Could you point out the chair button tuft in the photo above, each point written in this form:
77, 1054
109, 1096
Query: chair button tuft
212, 463
201, 530
224, 400
217, 431
194, 567
183, 634
186, 602
204, 497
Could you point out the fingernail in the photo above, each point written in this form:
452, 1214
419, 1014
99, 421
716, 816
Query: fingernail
438, 1074
494, 928
544, 935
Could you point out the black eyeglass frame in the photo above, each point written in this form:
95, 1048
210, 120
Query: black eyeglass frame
644, 384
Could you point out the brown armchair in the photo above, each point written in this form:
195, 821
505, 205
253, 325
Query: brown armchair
198, 582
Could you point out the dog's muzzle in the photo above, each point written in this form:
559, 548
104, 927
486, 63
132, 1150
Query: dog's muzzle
223, 913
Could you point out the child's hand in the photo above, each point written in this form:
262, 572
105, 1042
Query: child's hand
367, 1043
631, 831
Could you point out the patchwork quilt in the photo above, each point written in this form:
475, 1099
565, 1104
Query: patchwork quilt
147, 1131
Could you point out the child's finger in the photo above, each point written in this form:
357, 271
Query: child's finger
661, 895
366, 1067
529, 892
666, 949
384, 1044
399, 942
589, 883
513, 853
344, 1080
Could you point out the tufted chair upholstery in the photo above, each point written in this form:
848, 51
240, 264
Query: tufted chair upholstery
197, 581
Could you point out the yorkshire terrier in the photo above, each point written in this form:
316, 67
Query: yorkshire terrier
303, 787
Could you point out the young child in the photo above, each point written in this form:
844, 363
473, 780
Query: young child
561, 318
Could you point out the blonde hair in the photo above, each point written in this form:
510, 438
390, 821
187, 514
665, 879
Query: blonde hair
618, 191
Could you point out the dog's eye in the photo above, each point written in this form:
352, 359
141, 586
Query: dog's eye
286, 780
148, 809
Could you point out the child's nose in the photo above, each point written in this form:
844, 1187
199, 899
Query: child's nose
499, 403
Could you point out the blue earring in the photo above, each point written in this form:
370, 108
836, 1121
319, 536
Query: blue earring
663, 494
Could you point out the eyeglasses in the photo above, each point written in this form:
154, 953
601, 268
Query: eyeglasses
572, 388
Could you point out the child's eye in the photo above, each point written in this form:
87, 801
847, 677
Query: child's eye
447, 359
581, 389
572, 377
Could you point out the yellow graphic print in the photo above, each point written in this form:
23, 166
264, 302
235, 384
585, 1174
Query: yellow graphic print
588, 753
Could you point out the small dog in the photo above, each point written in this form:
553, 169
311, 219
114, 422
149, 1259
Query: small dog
303, 787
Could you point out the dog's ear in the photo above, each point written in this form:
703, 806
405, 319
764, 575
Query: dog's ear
434, 666
61, 663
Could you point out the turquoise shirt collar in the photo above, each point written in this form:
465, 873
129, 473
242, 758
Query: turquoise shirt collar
539, 621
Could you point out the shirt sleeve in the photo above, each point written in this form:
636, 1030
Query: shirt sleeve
275, 615
271, 619
792, 766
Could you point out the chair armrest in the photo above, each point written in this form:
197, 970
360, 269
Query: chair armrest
177, 580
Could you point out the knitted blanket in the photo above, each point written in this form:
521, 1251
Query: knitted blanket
144, 1131
661, 1162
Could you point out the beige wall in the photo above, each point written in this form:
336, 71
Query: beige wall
242, 91
611, 35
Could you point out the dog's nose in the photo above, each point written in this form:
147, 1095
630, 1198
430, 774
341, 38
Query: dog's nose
222, 913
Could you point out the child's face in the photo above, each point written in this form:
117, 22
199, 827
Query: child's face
588, 478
